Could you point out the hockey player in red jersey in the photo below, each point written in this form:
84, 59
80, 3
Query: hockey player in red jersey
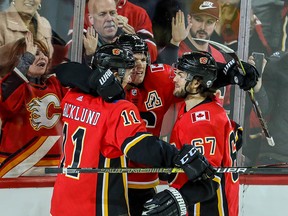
152, 102
30, 111
203, 123
151, 90
100, 130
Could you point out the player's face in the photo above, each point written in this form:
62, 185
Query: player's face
202, 26
179, 82
104, 17
39, 66
27, 6
138, 72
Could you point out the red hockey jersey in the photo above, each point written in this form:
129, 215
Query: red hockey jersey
94, 194
153, 98
208, 128
31, 126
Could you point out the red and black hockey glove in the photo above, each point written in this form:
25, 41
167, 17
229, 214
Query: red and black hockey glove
194, 164
246, 80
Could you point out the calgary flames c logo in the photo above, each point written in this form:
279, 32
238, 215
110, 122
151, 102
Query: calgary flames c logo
39, 117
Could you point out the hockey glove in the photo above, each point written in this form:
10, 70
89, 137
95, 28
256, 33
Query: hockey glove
194, 164
236, 75
106, 85
166, 203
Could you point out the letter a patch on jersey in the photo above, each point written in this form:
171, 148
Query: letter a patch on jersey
200, 116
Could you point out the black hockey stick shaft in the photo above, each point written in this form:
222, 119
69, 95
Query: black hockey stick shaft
240, 170
255, 104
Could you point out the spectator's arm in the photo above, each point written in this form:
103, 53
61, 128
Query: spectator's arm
14, 79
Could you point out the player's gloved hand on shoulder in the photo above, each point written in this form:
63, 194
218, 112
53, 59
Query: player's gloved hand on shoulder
194, 164
237, 76
166, 203
110, 89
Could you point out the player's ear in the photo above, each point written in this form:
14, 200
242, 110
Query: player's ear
195, 84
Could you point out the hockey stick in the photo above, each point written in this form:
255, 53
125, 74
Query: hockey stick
255, 104
241, 170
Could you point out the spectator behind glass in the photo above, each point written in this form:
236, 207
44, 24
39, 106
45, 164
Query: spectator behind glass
201, 24
269, 13
30, 111
227, 30
103, 15
22, 17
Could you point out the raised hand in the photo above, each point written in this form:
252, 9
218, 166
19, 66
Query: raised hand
40, 63
90, 41
122, 22
179, 32
30, 47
